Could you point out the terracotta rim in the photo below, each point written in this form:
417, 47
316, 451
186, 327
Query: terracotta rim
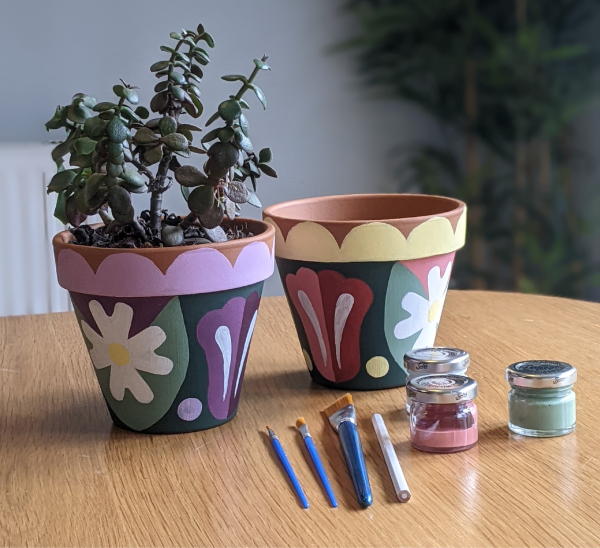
277, 211
63, 240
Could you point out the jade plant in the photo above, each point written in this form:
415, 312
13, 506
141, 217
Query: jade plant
115, 150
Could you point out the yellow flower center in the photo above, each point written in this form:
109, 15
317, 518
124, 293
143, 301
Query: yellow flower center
433, 311
118, 354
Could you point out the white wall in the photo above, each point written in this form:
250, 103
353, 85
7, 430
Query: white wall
326, 136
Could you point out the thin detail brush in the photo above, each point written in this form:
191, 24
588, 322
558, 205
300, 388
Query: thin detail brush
287, 467
314, 455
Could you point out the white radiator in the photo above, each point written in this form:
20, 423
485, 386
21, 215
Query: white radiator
27, 276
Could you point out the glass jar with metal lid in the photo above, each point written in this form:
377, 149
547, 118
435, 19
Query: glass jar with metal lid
443, 415
435, 360
541, 402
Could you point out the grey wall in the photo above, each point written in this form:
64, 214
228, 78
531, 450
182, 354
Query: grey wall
326, 136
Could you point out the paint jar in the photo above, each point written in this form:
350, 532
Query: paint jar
433, 361
541, 403
443, 415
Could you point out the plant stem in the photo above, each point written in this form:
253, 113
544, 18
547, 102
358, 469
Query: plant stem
157, 192
106, 218
245, 87
188, 221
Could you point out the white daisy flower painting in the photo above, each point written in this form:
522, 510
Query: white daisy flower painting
125, 356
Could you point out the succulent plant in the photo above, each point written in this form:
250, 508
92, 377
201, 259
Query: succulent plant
115, 149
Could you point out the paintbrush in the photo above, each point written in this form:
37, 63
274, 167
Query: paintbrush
312, 451
287, 467
342, 417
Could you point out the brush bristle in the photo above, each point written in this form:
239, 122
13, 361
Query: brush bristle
338, 404
300, 422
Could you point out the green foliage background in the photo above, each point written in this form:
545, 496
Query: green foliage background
505, 79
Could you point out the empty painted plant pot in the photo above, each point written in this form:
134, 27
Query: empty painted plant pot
366, 277
168, 329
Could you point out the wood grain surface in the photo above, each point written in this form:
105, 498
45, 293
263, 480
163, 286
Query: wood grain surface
70, 478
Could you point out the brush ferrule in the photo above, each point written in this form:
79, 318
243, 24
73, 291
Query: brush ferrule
304, 431
345, 414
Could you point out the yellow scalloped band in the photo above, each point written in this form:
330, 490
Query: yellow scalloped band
308, 241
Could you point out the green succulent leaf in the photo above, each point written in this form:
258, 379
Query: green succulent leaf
116, 130
60, 208
244, 104
244, 143
190, 176
210, 42
197, 150
265, 156
226, 134
190, 76
79, 113
237, 192
211, 135
159, 101
201, 199
253, 199
176, 36
119, 199
92, 187
167, 49
252, 167
197, 71
234, 78
244, 125
145, 136
177, 93
161, 86
104, 106
191, 110
267, 170
153, 155
58, 120
230, 209
81, 160
212, 119
94, 127
193, 89
86, 100
175, 142
213, 217
230, 110
62, 180
132, 177
200, 29
261, 64
185, 192
114, 170
182, 56
159, 65
167, 125
189, 127
142, 112
259, 94
201, 58
188, 134
84, 145
177, 77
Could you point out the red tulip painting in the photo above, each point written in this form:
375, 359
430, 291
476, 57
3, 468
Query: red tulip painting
331, 308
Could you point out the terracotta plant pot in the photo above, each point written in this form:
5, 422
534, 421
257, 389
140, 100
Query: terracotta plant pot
168, 329
365, 277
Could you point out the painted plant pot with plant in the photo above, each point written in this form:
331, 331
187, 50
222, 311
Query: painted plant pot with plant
366, 277
167, 304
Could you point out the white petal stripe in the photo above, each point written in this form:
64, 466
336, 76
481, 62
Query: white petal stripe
245, 351
343, 307
312, 316
223, 339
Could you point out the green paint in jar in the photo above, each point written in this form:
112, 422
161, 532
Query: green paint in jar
541, 403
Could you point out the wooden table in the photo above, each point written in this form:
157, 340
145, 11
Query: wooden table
69, 478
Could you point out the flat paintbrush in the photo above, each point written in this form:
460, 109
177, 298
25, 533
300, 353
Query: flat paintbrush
314, 455
342, 417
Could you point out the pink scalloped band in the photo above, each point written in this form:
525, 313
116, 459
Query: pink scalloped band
203, 270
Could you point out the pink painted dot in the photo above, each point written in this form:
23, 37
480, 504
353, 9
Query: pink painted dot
189, 409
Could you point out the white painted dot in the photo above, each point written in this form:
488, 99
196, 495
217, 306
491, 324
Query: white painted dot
189, 409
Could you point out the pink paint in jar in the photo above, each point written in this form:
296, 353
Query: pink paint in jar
443, 415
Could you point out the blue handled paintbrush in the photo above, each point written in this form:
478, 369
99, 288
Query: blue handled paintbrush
342, 417
287, 467
312, 451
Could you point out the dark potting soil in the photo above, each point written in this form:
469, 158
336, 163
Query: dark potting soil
142, 236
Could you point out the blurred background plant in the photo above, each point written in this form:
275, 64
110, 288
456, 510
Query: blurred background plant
505, 80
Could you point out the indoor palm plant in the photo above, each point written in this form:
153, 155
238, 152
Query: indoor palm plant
167, 304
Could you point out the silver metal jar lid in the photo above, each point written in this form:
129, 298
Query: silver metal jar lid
541, 374
439, 359
442, 388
